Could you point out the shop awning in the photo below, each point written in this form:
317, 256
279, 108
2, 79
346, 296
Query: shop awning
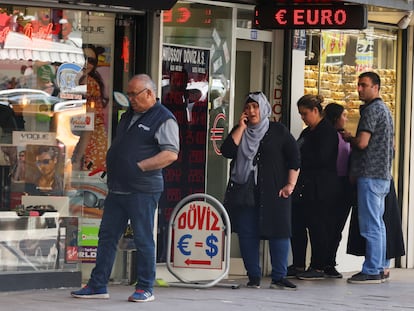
17, 46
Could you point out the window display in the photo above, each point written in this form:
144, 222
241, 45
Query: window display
196, 88
34, 244
54, 91
55, 108
334, 59
41, 59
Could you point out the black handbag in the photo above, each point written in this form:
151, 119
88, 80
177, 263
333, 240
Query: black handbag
240, 195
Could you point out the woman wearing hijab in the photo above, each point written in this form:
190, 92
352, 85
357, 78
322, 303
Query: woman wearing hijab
268, 153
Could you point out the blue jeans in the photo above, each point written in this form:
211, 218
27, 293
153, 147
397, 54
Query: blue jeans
249, 239
371, 206
140, 209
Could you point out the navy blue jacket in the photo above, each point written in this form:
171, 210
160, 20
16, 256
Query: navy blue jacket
132, 145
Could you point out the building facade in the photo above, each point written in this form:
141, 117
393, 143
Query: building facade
64, 72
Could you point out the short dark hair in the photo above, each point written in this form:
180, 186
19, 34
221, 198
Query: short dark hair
333, 112
375, 78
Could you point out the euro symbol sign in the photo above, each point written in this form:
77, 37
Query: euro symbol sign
183, 244
184, 15
280, 17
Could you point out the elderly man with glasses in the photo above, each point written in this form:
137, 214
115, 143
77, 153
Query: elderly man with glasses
147, 140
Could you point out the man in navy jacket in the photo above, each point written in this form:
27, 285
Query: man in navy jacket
147, 140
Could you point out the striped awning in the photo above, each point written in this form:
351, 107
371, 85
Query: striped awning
17, 46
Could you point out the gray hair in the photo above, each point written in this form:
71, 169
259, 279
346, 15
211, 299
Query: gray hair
149, 83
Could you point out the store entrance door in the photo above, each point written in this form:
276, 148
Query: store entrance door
248, 77
249, 72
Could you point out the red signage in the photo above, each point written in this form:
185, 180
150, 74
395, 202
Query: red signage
326, 16
189, 15
198, 237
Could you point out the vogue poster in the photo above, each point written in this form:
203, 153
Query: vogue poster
185, 79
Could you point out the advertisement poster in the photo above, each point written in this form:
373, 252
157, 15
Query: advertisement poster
185, 81
44, 170
88, 185
88, 240
333, 48
364, 55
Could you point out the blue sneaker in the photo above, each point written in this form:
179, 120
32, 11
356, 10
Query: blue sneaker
91, 293
141, 295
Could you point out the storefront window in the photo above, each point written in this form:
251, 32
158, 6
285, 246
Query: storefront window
334, 59
197, 91
55, 112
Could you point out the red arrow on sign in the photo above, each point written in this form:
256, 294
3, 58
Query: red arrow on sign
197, 262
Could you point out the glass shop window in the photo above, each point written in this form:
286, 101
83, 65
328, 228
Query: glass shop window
334, 59
54, 104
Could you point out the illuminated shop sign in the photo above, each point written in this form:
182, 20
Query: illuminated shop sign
188, 15
310, 16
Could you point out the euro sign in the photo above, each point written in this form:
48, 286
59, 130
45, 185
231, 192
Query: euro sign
184, 15
280, 17
183, 244
210, 241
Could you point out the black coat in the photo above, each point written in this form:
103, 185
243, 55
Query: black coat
392, 220
277, 154
318, 179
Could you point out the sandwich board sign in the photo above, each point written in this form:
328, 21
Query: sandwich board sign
199, 238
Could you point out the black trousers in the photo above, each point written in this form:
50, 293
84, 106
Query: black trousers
311, 216
337, 214
299, 239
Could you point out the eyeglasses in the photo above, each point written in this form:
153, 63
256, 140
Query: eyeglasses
43, 162
134, 94
90, 199
255, 93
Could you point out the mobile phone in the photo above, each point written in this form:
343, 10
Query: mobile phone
246, 120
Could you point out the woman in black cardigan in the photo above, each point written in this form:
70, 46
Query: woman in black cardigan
317, 188
268, 153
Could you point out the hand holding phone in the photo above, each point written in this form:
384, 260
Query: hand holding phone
244, 120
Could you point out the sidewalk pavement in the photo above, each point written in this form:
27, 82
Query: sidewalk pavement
328, 294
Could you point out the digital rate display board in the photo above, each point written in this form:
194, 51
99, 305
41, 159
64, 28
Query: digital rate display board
311, 16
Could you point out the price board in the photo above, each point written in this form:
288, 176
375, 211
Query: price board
310, 16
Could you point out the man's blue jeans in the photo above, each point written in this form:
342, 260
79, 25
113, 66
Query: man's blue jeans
371, 206
140, 209
248, 232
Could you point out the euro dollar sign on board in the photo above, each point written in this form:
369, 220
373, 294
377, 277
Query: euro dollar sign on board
211, 243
